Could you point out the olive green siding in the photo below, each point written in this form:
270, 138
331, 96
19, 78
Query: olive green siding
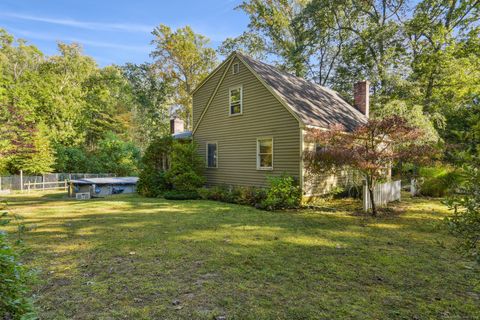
236, 136
203, 94
323, 183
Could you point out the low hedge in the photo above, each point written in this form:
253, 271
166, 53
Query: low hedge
282, 192
240, 195
181, 195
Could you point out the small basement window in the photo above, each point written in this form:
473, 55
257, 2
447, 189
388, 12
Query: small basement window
265, 153
320, 147
235, 68
212, 155
236, 97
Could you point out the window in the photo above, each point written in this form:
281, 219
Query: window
212, 155
235, 68
320, 147
236, 101
265, 154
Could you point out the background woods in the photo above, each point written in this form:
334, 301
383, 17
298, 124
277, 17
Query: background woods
60, 112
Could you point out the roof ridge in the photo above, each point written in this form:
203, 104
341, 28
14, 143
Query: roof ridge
287, 73
315, 104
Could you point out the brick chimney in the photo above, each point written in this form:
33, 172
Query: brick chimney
361, 96
176, 125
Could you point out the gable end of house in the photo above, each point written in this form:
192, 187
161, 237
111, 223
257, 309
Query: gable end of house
200, 105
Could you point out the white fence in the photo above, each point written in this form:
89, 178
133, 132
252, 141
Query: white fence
44, 185
50, 181
383, 194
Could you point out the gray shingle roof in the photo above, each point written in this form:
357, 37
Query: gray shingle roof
313, 104
182, 135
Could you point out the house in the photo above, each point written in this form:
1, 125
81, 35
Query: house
99, 187
250, 119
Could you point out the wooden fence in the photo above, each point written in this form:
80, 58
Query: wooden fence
383, 194
53, 185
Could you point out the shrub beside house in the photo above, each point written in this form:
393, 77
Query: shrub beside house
183, 179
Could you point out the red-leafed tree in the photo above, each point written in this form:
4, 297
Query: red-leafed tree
15, 132
370, 148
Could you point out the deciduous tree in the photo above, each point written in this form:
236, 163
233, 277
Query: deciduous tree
150, 94
184, 58
370, 148
40, 158
278, 30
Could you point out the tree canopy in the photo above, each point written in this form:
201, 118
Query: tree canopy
422, 57
49, 105
183, 58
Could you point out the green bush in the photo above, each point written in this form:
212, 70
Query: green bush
181, 195
251, 196
14, 277
203, 193
282, 193
152, 179
231, 195
186, 167
465, 221
438, 181
170, 165
218, 193
186, 181
152, 183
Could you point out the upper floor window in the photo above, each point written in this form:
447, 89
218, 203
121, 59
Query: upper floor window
265, 153
212, 155
236, 97
235, 68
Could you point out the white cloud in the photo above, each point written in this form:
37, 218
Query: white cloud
93, 43
82, 24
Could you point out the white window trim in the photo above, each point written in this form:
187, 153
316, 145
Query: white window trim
206, 154
230, 101
258, 154
236, 64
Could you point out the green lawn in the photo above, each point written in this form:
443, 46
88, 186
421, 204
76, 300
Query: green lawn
129, 257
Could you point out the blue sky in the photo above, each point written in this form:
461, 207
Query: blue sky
116, 31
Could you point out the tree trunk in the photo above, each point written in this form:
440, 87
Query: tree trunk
372, 201
371, 187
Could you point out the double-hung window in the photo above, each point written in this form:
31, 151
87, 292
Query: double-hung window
236, 97
212, 155
265, 153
